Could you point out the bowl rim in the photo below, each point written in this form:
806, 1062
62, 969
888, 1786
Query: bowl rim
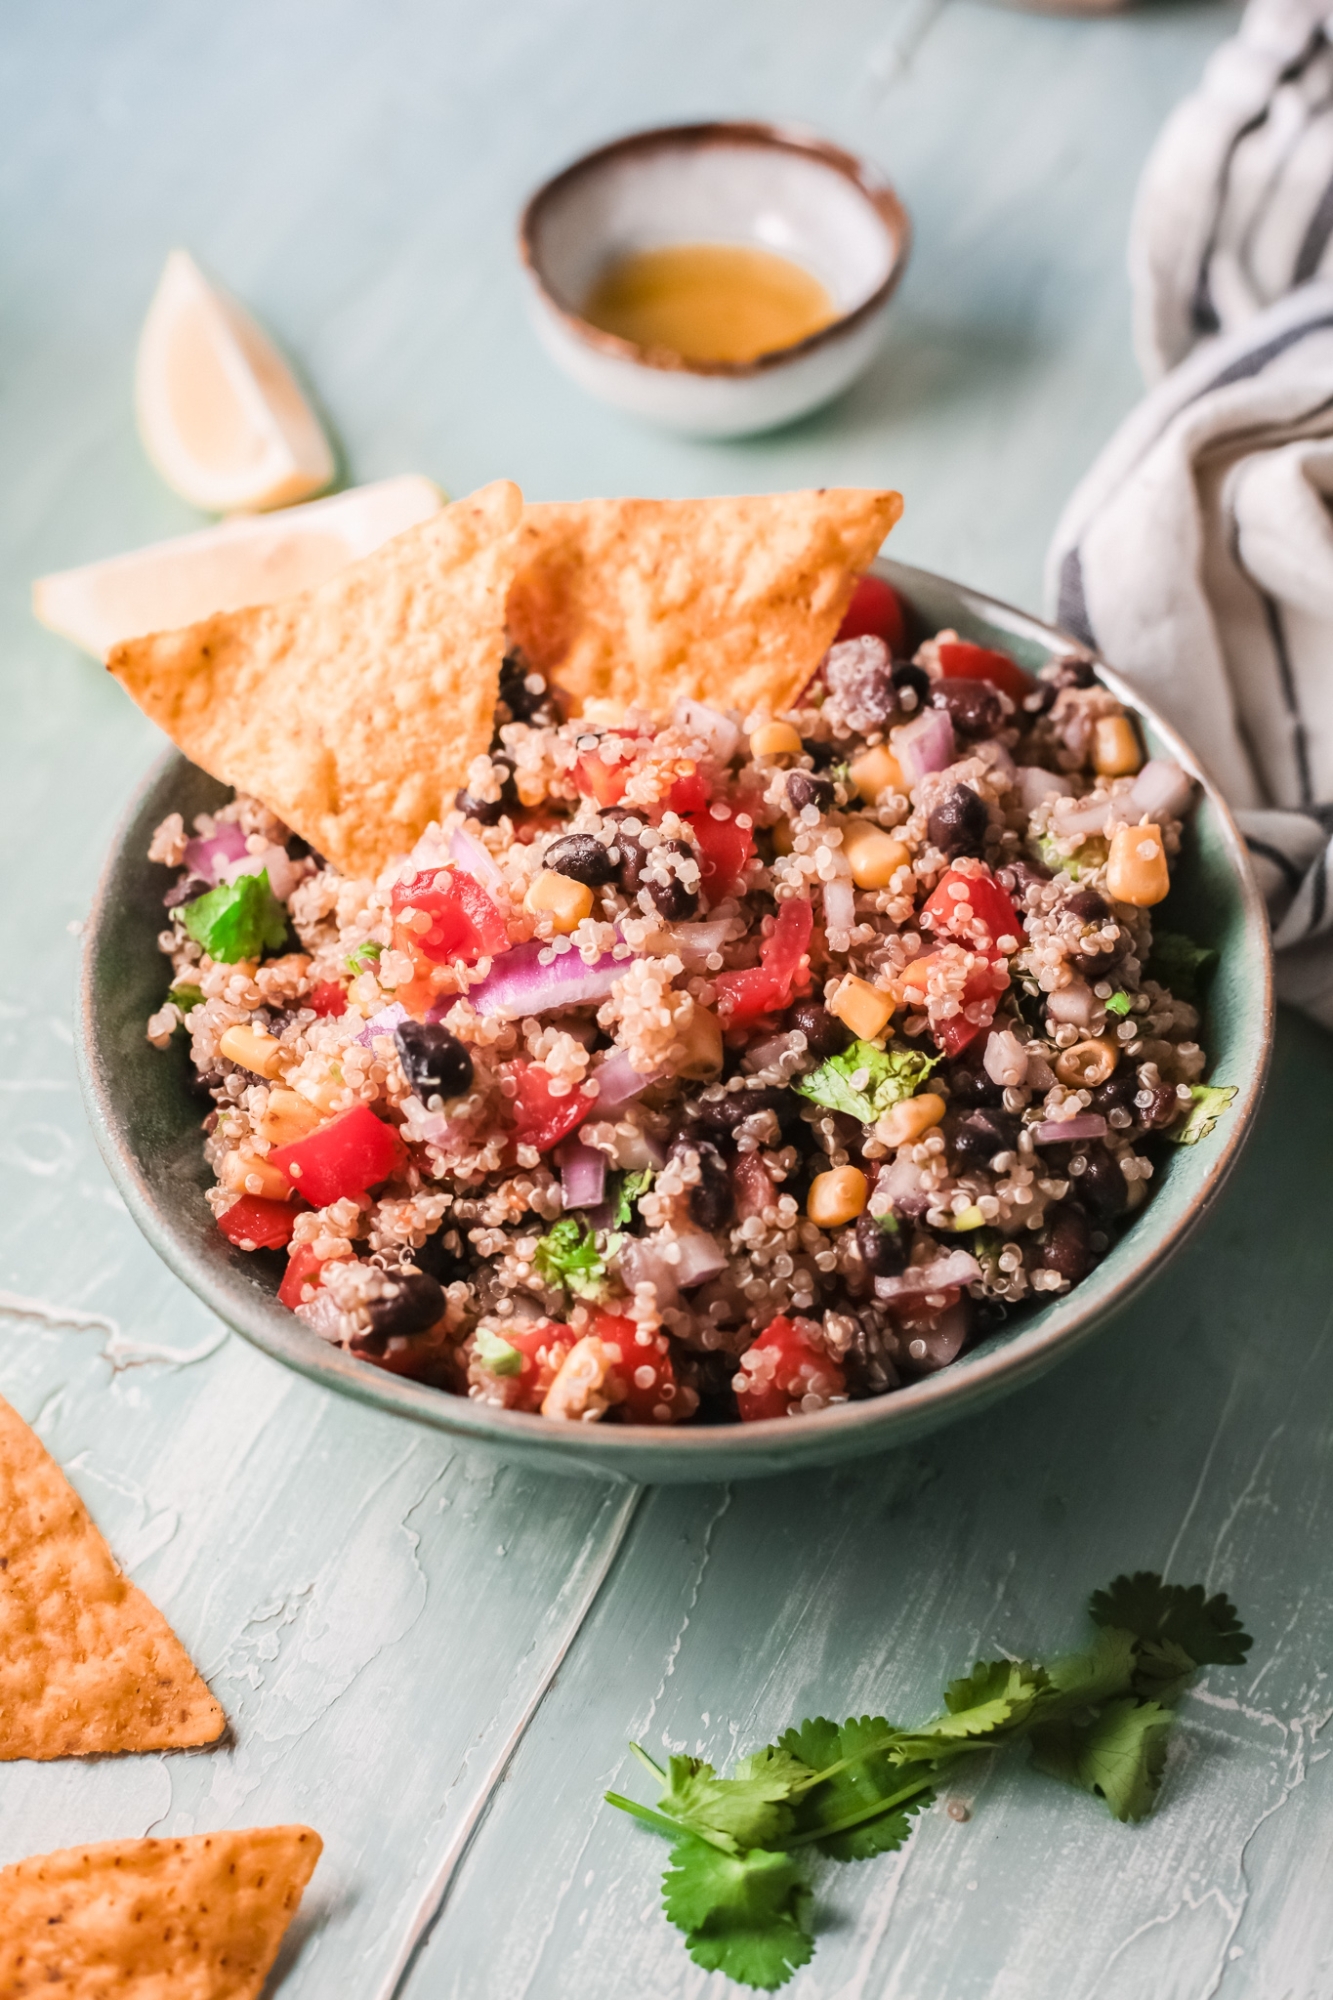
620, 1450
761, 135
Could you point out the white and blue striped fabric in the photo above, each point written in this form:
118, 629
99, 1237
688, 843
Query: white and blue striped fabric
1197, 554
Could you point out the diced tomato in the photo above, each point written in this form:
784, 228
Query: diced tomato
464, 922
954, 1034
328, 998
875, 612
353, 1152
990, 905
597, 780
960, 660
540, 1119
689, 793
771, 985
981, 990
303, 1268
543, 1344
784, 1365
645, 1372
724, 852
256, 1223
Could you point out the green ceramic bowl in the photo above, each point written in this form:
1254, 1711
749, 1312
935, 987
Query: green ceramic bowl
147, 1124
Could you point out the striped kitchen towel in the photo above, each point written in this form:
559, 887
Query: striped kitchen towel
1197, 556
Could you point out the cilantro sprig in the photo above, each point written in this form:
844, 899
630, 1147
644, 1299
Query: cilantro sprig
568, 1255
865, 1081
1099, 1720
240, 919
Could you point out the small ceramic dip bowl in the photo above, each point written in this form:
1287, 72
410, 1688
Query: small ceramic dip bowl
767, 187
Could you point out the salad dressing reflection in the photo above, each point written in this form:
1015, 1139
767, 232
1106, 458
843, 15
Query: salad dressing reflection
727, 302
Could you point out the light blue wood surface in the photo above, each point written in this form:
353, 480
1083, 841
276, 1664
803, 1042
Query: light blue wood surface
382, 1616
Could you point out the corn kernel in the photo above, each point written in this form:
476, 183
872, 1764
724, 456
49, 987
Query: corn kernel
1089, 1063
1136, 870
876, 771
837, 1197
906, 1121
252, 1049
865, 1009
784, 840
324, 1094
775, 739
286, 1118
874, 856
1115, 747
243, 1173
559, 897
703, 1045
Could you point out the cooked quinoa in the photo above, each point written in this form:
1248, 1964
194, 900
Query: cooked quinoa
732, 1066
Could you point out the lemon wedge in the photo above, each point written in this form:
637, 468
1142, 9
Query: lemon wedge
220, 413
247, 561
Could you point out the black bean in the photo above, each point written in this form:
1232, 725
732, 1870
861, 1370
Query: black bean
435, 1062
441, 1257
1073, 674
821, 755
804, 789
489, 812
1095, 965
721, 1115
883, 1247
913, 685
583, 857
974, 707
671, 898
633, 857
1163, 1110
1022, 873
859, 675
1088, 907
959, 823
1117, 1093
969, 1087
1065, 1241
824, 1033
1101, 1185
184, 891
985, 1132
411, 1302
712, 1201
526, 703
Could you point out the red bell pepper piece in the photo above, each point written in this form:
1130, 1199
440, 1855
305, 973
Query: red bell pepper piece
991, 906
303, 1268
771, 985
464, 922
724, 852
328, 998
784, 1367
689, 793
875, 612
256, 1223
597, 780
960, 660
353, 1152
541, 1120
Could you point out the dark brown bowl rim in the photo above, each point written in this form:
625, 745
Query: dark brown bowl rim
714, 132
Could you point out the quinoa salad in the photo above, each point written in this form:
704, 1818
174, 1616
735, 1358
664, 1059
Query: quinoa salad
714, 1068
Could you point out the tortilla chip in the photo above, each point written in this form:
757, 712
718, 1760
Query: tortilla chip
730, 601
196, 1919
355, 709
87, 1664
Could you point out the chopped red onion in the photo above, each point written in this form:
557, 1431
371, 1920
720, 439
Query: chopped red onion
209, 854
1005, 1059
1035, 784
696, 943
1161, 790
924, 745
1060, 1131
582, 1174
323, 1316
763, 1055
941, 1343
700, 1258
641, 1262
1079, 817
474, 858
956, 1267
385, 1022
720, 733
618, 1082
1073, 1006
840, 903
520, 985
897, 1182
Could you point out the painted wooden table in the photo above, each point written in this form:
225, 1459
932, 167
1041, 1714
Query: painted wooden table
433, 1658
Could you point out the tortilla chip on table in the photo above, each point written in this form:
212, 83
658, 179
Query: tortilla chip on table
87, 1664
731, 601
354, 710
199, 1918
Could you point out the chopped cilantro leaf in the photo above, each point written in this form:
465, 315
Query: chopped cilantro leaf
747, 1915
858, 1808
364, 956
186, 996
568, 1255
1209, 1102
1176, 961
865, 1081
1119, 1003
240, 919
1208, 1629
748, 1810
631, 1188
496, 1355
1118, 1753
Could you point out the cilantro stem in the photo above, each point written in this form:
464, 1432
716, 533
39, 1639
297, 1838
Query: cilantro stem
660, 1821
876, 1810
648, 1763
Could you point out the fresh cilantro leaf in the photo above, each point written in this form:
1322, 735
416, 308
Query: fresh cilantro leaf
1119, 1753
1210, 1101
568, 1255
240, 919
865, 1081
869, 1778
631, 1187
749, 1810
365, 955
186, 996
747, 1915
995, 1695
1119, 1003
496, 1355
1176, 961
1208, 1629
1163, 1671
1082, 1680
